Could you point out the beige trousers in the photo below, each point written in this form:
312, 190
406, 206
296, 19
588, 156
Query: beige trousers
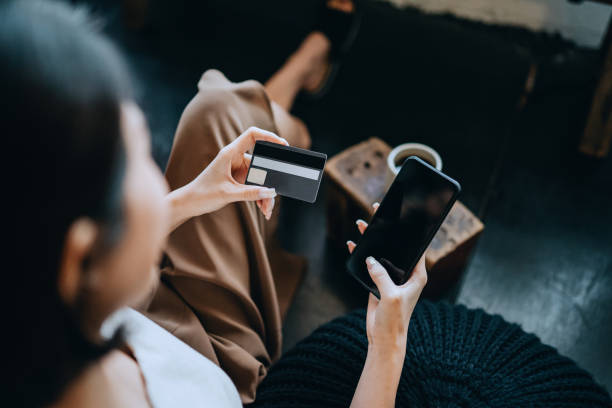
227, 284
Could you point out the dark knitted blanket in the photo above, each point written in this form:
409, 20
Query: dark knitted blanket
456, 357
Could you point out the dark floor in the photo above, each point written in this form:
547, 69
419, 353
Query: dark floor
545, 258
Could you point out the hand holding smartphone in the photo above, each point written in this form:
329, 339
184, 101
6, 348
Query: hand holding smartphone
405, 223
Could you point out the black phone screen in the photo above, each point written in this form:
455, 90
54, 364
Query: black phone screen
406, 221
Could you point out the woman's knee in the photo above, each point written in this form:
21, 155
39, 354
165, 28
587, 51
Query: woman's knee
207, 119
290, 127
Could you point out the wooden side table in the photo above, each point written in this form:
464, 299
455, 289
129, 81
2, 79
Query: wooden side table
358, 179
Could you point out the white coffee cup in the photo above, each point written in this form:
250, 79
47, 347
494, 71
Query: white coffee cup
402, 152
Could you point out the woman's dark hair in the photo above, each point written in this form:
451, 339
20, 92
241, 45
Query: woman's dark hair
62, 85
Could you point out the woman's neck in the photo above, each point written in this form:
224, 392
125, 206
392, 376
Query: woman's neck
114, 380
94, 309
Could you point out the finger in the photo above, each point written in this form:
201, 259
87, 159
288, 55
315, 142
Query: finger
361, 225
266, 206
371, 315
375, 206
269, 204
372, 303
247, 158
261, 204
263, 207
247, 140
351, 246
380, 276
252, 193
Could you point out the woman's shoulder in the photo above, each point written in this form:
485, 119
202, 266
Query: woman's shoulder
113, 381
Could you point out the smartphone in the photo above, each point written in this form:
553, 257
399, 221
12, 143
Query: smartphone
409, 216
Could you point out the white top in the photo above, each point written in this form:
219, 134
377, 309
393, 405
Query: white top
175, 374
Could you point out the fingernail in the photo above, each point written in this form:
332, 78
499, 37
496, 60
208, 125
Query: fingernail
375, 204
349, 242
360, 221
371, 260
267, 193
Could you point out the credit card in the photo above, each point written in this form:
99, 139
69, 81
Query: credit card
292, 171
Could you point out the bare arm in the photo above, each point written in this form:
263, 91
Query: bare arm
387, 329
379, 379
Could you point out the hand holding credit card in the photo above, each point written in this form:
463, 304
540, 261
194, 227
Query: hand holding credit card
293, 172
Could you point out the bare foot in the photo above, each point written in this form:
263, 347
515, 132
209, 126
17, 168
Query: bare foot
307, 68
316, 47
314, 53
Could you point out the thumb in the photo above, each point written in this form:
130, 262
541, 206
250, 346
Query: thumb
380, 276
254, 193
372, 303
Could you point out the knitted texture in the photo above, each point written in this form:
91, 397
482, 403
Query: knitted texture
456, 357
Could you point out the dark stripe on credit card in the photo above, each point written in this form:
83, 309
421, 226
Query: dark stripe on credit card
293, 155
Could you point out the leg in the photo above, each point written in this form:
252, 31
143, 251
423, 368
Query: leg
219, 294
305, 67
302, 70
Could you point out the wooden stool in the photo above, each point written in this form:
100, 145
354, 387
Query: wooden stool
358, 179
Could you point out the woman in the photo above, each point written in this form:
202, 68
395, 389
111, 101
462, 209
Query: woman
86, 177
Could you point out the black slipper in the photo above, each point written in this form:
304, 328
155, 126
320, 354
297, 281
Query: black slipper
341, 29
